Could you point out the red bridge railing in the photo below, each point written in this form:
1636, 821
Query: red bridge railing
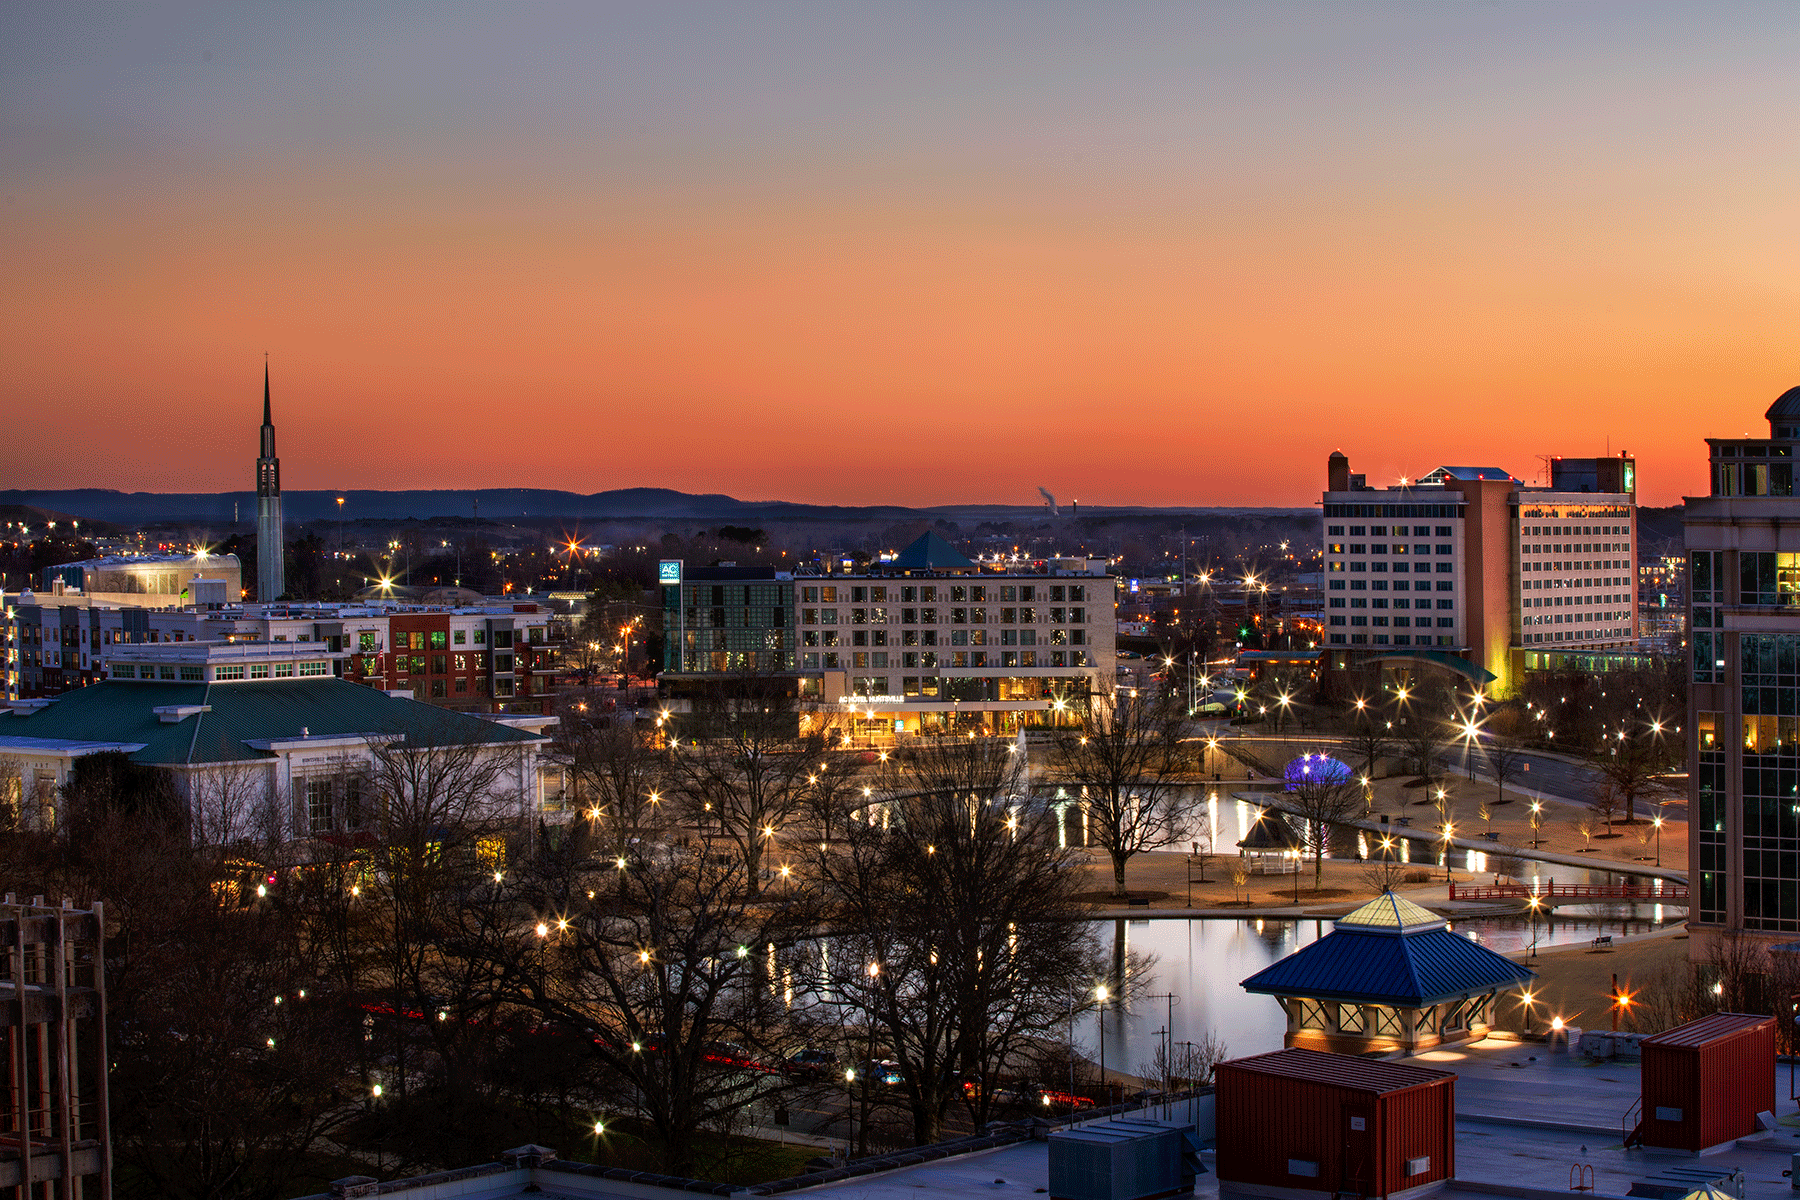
1653, 891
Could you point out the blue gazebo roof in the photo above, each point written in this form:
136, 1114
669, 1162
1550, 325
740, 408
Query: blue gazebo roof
1390, 952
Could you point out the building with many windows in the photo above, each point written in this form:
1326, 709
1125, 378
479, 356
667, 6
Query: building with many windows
926, 640
261, 739
1743, 550
500, 655
1468, 568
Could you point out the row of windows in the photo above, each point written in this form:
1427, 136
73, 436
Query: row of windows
957, 616
954, 637
739, 618
1382, 639
1602, 582
1399, 568
1573, 601
1573, 618
1398, 622
1578, 635
977, 687
1574, 547
1381, 585
1574, 564
1396, 510
979, 593
1382, 548
836, 660
1380, 602
1535, 531
1398, 531
1753, 479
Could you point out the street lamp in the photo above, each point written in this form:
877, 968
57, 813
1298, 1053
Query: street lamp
1658, 822
1100, 994
1449, 828
1535, 903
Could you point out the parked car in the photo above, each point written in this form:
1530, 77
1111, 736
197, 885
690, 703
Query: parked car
811, 1063
883, 1071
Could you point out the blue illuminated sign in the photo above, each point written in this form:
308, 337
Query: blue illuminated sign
669, 571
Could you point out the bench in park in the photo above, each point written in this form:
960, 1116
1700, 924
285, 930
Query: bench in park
1603, 942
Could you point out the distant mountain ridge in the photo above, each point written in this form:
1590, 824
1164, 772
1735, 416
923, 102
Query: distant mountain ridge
643, 503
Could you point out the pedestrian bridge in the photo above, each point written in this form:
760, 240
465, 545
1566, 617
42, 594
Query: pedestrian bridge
1553, 894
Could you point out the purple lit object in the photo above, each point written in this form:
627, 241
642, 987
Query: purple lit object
1316, 768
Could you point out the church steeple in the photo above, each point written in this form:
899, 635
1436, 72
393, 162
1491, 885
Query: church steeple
271, 575
268, 425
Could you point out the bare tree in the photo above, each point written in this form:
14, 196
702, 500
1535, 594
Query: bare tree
620, 776
961, 939
232, 806
1369, 739
747, 765
1323, 799
1240, 877
1424, 740
1182, 1065
1507, 761
683, 971
1604, 801
1633, 767
1129, 761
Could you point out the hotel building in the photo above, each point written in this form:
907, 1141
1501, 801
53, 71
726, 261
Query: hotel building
1467, 568
923, 642
1743, 551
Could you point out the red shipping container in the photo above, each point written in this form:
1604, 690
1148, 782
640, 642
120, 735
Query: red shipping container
1302, 1120
1704, 1082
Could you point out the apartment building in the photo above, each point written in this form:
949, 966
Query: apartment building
1470, 569
1743, 553
925, 641
499, 655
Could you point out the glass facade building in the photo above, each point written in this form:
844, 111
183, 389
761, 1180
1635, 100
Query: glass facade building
1743, 586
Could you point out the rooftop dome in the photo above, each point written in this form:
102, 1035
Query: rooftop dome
1785, 408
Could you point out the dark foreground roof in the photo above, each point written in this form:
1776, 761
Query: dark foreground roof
1340, 1070
123, 712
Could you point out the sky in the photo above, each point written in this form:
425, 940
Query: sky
921, 253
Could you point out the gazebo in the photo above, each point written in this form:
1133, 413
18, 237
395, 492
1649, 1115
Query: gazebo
1390, 976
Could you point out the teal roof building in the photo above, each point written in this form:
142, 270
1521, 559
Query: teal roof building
294, 752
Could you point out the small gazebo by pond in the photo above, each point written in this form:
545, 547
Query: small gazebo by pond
1390, 976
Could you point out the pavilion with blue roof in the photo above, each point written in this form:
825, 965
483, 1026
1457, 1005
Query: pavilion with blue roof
1390, 976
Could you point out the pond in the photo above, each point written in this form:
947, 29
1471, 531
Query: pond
1193, 985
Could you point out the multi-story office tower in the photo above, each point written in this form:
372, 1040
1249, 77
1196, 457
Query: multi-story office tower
1743, 549
271, 574
1469, 568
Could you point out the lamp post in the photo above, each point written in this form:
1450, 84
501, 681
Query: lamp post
1658, 822
1100, 994
1534, 903
1449, 828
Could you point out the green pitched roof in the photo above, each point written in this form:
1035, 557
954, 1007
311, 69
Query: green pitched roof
120, 711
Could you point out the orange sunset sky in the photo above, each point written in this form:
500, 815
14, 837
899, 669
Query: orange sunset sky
892, 253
